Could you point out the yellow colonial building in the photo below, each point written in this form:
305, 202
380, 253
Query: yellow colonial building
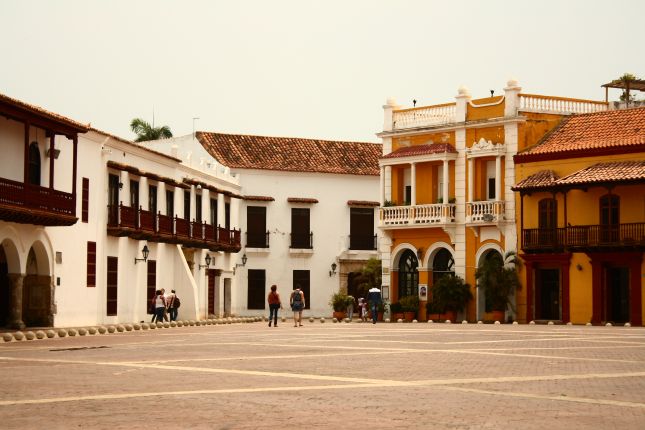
582, 219
446, 177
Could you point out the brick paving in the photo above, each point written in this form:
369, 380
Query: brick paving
320, 376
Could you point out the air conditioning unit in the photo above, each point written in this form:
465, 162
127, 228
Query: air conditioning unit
487, 217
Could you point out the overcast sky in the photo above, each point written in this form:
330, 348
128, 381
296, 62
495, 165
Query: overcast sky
316, 69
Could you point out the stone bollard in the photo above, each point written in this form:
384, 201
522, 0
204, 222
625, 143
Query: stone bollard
145, 326
50, 334
322, 320
62, 332
82, 331
7, 337
111, 329
311, 319
30, 335
136, 326
532, 323
448, 322
72, 332
92, 330
19, 335
120, 328
159, 325
497, 322
464, 322
334, 320
430, 322
41, 334
399, 320
128, 327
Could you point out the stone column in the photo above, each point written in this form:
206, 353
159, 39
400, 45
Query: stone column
446, 183
413, 180
471, 179
16, 280
498, 178
382, 184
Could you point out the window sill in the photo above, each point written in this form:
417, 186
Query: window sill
297, 251
258, 250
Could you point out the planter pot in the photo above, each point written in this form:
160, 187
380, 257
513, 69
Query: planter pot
339, 315
450, 315
498, 316
396, 317
379, 316
409, 316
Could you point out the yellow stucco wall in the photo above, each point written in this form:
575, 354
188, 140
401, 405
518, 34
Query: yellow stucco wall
478, 111
423, 139
535, 127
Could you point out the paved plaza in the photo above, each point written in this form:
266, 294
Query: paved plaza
329, 376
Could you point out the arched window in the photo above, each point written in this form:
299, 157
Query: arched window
34, 164
408, 274
442, 264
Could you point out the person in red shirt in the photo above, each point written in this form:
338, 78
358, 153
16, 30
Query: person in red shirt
274, 304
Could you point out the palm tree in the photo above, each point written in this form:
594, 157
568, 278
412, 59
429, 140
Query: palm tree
145, 131
498, 277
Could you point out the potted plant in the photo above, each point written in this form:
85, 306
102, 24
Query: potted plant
450, 294
339, 303
499, 279
381, 308
396, 310
410, 306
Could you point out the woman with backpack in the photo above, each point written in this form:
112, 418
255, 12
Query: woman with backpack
173, 305
274, 304
297, 301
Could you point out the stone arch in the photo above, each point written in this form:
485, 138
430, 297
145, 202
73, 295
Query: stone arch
38, 289
13, 248
433, 250
398, 251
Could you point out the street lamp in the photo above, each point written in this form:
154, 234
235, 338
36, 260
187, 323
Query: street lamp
145, 251
207, 260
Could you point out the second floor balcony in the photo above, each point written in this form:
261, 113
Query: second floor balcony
485, 212
584, 238
145, 225
32, 204
417, 215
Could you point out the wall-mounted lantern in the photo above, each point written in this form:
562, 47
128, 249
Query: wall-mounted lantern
145, 251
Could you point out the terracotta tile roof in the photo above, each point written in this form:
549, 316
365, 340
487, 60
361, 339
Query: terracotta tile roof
600, 173
411, 151
43, 113
598, 132
619, 171
362, 203
541, 179
259, 198
301, 200
292, 154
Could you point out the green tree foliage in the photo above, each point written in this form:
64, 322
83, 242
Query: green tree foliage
145, 131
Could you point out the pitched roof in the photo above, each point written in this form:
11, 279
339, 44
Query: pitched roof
411, 151
292, 154
20, 108
600, 173
577, 135
541, 179
618, 171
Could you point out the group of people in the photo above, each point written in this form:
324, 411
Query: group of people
164, 306
297, 304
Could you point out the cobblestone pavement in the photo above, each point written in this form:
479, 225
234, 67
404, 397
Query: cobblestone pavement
320, 376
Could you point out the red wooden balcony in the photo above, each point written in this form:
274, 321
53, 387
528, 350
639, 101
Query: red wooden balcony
584, 237
144, 225
33, 204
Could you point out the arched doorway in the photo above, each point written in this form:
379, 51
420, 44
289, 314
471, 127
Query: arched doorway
442, 264
37, 289
34, 164
482, 306
408, 274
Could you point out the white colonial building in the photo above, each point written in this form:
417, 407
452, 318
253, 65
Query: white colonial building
78, 208
308, 215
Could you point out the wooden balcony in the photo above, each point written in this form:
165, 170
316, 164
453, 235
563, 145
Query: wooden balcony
33, 204
585, 238
416, 216
144, 225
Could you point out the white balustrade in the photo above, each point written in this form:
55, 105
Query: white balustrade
537, 103
489, 211
426, 116
419, 214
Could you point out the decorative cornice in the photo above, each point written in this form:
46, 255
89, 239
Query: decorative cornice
259, 198
301, 200
485, 147
363, 203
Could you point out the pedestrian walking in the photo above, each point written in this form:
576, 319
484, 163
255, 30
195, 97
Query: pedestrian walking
274, 304
362, 308
159, 303
374, 299
173, 305
297, 301
350, 307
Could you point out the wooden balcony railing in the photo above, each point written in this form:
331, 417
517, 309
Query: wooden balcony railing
419, 214
54, 207
584, 237
141, 224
